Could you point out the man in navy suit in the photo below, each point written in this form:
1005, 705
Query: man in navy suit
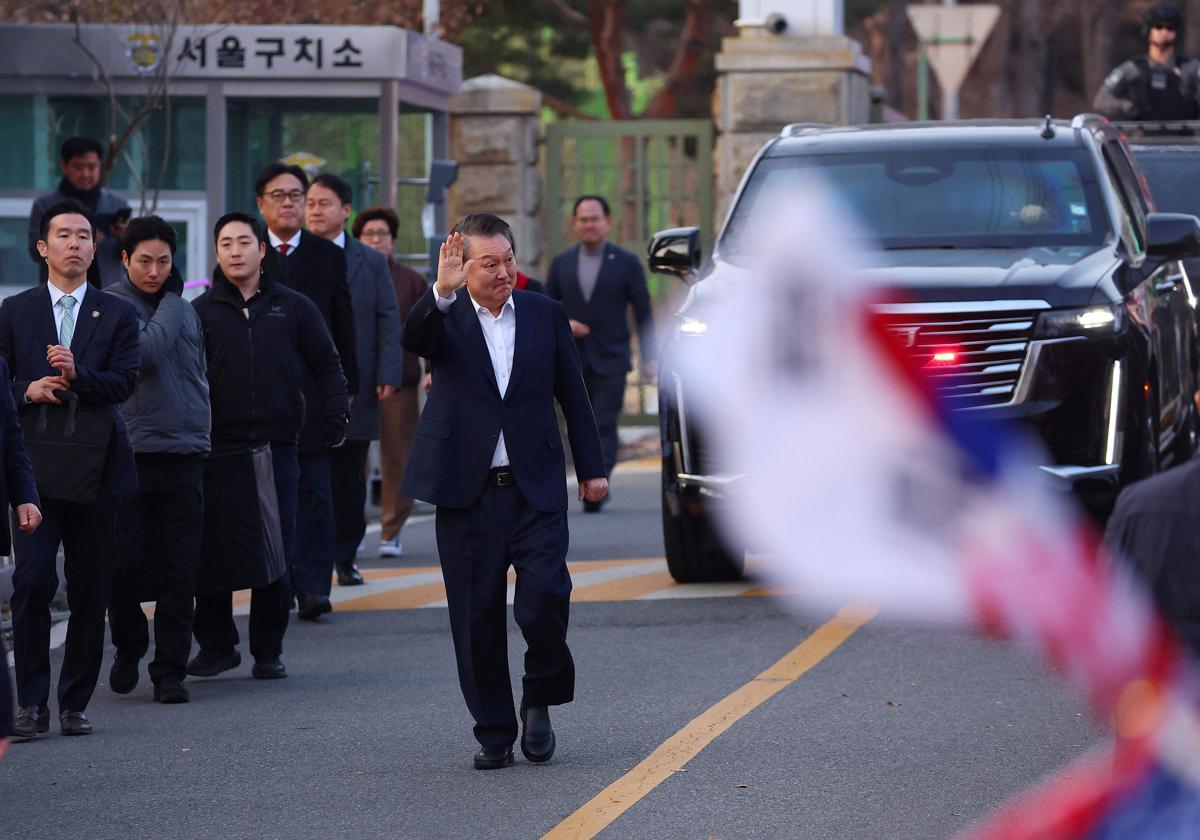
63, 336
489, 454
18, 489
597, 282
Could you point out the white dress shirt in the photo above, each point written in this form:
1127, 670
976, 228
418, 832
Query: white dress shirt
340, 240
293, 243
499, 334
56, 297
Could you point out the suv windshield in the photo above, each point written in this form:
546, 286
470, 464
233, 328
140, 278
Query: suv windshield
938, 198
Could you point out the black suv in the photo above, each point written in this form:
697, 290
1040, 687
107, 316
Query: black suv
1034, 262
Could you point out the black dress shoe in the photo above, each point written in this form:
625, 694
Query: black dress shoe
206, 664
31, 721
537, 737
268, 669
74, 723
123, 676
169, 690
312, 607
349, 575
493, 758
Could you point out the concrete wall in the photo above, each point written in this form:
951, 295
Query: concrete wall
494, 138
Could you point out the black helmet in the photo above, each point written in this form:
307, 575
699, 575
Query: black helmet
1162, 13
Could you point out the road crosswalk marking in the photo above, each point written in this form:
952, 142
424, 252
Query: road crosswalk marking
634, 579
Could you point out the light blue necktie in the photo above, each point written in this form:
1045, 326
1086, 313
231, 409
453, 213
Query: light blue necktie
67, 330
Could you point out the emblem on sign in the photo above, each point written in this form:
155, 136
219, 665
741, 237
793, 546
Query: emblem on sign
143, 50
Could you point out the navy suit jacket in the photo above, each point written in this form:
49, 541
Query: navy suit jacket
105, 345
620, 284
464, 414
17, 485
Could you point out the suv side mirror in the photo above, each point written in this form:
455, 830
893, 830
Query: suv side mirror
1172, 236
675, 251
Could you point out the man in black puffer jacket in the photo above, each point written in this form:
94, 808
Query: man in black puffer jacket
263, 342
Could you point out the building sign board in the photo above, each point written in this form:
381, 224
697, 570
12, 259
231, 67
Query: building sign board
223, 51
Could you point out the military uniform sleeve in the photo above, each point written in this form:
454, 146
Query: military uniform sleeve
1115, 97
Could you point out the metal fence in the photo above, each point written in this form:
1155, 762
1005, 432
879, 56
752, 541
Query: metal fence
655, 174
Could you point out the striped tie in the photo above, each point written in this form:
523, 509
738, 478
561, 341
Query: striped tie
67, 330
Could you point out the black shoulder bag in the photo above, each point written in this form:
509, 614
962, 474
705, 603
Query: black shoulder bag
68, 447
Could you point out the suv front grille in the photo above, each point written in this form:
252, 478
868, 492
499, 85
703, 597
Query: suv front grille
973, 356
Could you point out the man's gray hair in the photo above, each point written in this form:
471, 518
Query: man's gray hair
485, 224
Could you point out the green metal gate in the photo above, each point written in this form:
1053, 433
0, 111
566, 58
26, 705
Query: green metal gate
655, 174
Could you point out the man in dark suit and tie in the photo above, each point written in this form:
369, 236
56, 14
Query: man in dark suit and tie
489, 454
380, 361
316, 268
597, 282
57, 337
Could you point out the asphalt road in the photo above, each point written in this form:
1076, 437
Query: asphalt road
896, 732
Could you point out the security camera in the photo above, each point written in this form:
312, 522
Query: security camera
776, 23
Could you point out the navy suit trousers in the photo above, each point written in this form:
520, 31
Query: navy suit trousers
312, 568
607, 393
477, 545
86, 533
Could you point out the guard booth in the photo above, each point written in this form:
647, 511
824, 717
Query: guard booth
368, 103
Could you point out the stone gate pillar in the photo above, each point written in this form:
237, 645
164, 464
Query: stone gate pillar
790, 62
493, 136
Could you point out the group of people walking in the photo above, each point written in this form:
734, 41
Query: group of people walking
300, 353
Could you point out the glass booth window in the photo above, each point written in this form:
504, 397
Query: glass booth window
33, 128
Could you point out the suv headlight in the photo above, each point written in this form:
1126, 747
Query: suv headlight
1088, 320
687, 325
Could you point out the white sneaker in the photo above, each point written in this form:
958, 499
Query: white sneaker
391, 548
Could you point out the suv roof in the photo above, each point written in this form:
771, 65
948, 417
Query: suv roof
801, 138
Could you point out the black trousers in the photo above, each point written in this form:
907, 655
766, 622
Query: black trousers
349, 469
214, 628
159, 530
312, 566
476, 546
86, 534
607, 393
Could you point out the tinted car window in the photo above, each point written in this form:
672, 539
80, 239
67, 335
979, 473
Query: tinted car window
1172, 178
937, 198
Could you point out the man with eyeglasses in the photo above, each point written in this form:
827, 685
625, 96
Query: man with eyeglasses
316, 268
1161, 86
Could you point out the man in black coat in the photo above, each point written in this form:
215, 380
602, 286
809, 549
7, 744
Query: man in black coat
264, 341
1155, 529
597, 283
68, 336
18, 490
316, 268
489, 454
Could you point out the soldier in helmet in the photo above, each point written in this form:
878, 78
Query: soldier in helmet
1161, 86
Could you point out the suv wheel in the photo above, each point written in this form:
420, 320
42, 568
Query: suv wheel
694, 552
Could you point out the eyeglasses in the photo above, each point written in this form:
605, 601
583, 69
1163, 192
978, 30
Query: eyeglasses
375, 234
279, 196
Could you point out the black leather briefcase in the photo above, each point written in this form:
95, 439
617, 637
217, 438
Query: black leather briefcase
68, 446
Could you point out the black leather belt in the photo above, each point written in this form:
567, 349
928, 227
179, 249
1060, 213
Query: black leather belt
502, 476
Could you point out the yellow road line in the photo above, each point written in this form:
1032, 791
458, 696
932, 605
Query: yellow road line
405, 598
687, 743
624, 589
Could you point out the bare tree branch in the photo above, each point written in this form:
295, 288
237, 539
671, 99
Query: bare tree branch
573, 15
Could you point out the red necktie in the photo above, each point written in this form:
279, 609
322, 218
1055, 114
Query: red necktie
283, 249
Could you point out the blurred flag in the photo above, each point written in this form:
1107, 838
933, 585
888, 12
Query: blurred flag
857, 483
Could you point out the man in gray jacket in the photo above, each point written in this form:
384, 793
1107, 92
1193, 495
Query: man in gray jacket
380, 363
169, 422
